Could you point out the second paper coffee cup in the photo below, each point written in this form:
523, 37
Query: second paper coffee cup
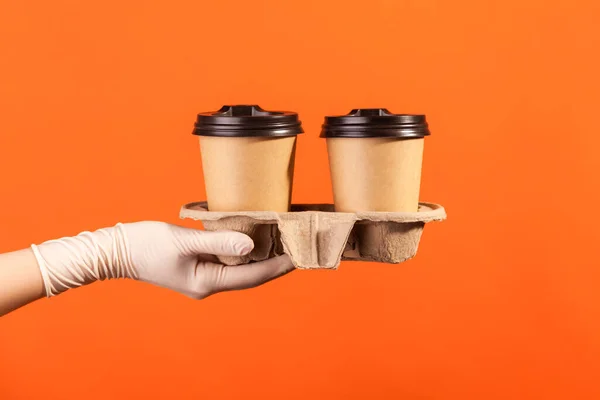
375, 158
248, 157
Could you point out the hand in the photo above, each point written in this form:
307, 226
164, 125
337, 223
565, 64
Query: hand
166, 255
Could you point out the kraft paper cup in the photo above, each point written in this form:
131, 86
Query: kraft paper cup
375, 158
248, 157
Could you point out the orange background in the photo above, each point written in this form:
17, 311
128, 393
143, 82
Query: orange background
97, 102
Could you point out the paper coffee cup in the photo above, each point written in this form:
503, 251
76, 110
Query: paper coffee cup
375, 158
248, 157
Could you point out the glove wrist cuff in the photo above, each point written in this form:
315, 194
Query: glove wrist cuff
71, 262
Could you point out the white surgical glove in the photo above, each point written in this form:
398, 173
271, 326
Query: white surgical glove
166, 255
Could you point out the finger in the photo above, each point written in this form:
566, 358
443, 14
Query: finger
220, 243
208, 258
254, 274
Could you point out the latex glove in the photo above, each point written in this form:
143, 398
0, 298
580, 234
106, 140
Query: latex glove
166, 255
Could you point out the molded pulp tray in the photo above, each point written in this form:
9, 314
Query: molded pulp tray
314, 236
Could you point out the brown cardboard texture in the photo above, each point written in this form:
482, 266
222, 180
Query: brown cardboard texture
239, 175
377, 174
316, 237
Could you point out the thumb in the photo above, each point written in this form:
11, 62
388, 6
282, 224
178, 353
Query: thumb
250, 275
220, 243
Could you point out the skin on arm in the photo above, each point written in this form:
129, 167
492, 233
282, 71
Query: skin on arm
20, 280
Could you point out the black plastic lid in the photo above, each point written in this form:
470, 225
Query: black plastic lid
375, 122
247, 121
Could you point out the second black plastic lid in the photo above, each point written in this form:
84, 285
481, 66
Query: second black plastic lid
375, 122
247, 121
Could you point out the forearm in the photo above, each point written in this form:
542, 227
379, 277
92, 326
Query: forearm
55, 266
20, 280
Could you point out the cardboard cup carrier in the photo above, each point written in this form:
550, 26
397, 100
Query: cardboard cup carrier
375, 160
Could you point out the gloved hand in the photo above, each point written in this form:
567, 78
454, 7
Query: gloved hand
166, 255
